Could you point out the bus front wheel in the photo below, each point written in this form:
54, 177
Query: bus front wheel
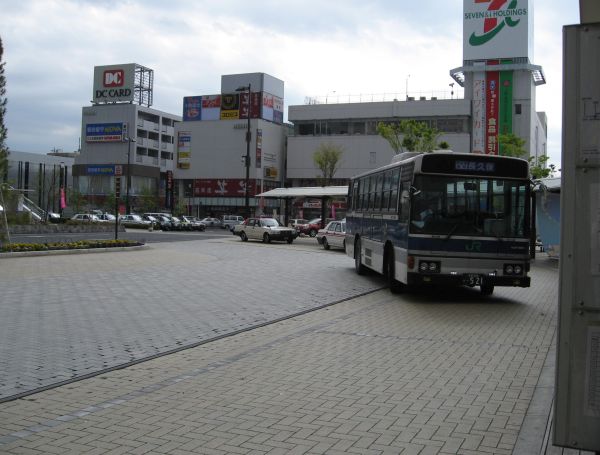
487, 289
396, 287
360, 268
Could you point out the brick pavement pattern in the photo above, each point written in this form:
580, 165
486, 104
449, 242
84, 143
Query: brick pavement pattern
422, 373
63, 317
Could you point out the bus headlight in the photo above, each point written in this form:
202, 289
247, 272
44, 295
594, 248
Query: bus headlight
429, 266
513, 269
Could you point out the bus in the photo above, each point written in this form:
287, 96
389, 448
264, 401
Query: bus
442, 218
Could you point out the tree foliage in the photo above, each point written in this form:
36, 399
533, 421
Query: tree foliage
3, 131
327, 158
409, 135
147, 200
513, 145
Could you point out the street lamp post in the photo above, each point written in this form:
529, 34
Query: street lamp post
247, 159
127, 206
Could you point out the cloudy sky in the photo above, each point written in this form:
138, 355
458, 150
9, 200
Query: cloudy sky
331, 49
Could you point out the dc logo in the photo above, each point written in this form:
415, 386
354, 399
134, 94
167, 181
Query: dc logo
114, 78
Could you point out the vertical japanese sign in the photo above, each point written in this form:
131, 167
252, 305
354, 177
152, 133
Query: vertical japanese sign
169, 190
479, 125
258, 148
184, 149
505, 108
491, 126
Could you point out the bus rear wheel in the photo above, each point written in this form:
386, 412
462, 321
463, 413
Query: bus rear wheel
358, 266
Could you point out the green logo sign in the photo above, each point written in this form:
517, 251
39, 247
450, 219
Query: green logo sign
495, 19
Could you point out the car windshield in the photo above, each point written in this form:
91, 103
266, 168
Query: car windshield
269, 222
315, 221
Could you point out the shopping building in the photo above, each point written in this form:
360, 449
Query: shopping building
231, 146
123, 137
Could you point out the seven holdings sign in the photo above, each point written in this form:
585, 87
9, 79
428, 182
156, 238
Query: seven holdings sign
497, 29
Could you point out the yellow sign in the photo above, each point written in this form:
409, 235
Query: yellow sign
230, 115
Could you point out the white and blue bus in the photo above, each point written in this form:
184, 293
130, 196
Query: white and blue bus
442, 218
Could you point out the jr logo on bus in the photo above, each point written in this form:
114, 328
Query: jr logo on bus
473, 247
494, 19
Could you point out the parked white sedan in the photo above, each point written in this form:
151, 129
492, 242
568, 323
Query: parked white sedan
265, 229
333, 235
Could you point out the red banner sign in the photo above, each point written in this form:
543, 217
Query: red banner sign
492, 102
223, 187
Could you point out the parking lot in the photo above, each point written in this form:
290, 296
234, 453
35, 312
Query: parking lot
366, 372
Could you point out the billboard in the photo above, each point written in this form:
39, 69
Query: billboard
230, 106
267, 107
505, 105
192, 108
105, 169
184, 149
491, 109
497, 29
211, 107
105, 132
223, 187
114, 83
478, 135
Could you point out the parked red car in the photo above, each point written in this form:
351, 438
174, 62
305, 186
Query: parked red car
311, 228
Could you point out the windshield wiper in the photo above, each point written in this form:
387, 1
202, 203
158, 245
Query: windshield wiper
454, 228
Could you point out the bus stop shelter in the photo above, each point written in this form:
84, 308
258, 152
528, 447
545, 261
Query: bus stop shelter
315, 192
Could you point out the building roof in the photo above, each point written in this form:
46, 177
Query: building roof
306, 191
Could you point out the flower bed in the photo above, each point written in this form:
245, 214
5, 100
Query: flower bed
82, 244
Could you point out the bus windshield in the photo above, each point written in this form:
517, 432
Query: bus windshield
455, 206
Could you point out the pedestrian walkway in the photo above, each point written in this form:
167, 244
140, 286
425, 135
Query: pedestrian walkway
422, 373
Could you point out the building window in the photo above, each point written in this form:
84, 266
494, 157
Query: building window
517, 109
306, 129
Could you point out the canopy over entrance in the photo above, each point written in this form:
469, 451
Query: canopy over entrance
322, 192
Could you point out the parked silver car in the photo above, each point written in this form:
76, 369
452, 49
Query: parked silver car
333, 235
265, 229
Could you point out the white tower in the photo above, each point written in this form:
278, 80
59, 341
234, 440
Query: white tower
498, 75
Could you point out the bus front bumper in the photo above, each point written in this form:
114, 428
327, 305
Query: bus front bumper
468, 280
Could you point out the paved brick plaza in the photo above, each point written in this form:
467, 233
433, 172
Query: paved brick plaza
421, 373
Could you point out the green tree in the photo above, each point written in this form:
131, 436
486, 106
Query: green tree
3, 131
511, 145
147, 200
539, 168
409, 135
327, 158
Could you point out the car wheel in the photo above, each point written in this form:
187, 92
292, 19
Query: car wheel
266, 238
243, 236
290, 239
312, 233
344, 245
358, 266
325, 243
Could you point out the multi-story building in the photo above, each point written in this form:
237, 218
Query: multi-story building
231, 146
123, 138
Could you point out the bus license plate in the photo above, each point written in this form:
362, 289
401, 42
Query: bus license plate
471, 279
